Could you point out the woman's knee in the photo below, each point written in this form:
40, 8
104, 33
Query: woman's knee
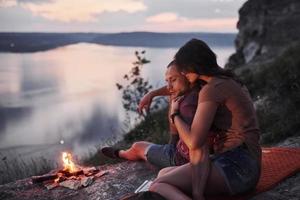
154, 187
164, 171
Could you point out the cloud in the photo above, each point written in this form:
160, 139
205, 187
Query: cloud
7, 3
11, 3
119, 15
162, 18
172, 22
81, 10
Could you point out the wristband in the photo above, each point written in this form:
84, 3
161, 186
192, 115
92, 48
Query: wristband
173, 115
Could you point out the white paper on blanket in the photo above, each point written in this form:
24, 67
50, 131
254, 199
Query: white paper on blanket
144, 187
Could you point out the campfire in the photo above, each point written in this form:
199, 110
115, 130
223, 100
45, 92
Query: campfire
72, 176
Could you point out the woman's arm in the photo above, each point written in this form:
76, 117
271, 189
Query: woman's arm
195, 138
147, 99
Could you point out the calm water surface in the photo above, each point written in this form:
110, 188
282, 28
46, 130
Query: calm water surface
69, 93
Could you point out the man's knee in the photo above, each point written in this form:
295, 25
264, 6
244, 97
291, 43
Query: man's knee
137, 146
140, 146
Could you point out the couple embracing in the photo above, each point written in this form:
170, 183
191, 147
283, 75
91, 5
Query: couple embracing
214, 147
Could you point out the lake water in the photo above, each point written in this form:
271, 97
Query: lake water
69, 93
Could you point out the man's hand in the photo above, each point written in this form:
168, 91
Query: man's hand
145, 103
175, 104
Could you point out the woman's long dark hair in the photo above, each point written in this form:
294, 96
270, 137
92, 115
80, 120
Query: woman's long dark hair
199, 83
196, 56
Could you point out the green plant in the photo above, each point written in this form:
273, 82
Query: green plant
134, 88
276, 85
18, 168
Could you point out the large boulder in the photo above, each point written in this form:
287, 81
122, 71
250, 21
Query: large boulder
267, 61
266, 28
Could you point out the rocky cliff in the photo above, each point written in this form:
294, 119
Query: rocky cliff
267, 60
266, 29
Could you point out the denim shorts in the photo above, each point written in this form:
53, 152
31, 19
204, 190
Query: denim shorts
161, 155
240, 170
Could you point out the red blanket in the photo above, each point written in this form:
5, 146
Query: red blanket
278, 163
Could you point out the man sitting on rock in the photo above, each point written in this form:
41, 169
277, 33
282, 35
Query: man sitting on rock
175, 152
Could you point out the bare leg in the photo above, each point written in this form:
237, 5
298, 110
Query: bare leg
165, 171
136, 151
168, 191
162, 184
180, 180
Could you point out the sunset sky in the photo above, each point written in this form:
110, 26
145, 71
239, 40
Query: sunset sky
119, 15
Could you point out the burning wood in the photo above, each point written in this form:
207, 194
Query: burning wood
72, 176
68, 174
47, 177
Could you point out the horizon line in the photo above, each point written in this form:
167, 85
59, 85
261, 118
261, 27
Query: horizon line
93, 32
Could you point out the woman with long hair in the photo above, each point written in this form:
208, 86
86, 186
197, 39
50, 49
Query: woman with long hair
224, 109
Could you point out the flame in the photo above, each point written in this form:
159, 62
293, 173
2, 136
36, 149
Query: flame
57, 179
68, 163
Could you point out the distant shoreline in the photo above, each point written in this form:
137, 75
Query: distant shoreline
18, 42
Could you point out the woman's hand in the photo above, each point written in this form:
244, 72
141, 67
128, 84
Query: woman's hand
145, 103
